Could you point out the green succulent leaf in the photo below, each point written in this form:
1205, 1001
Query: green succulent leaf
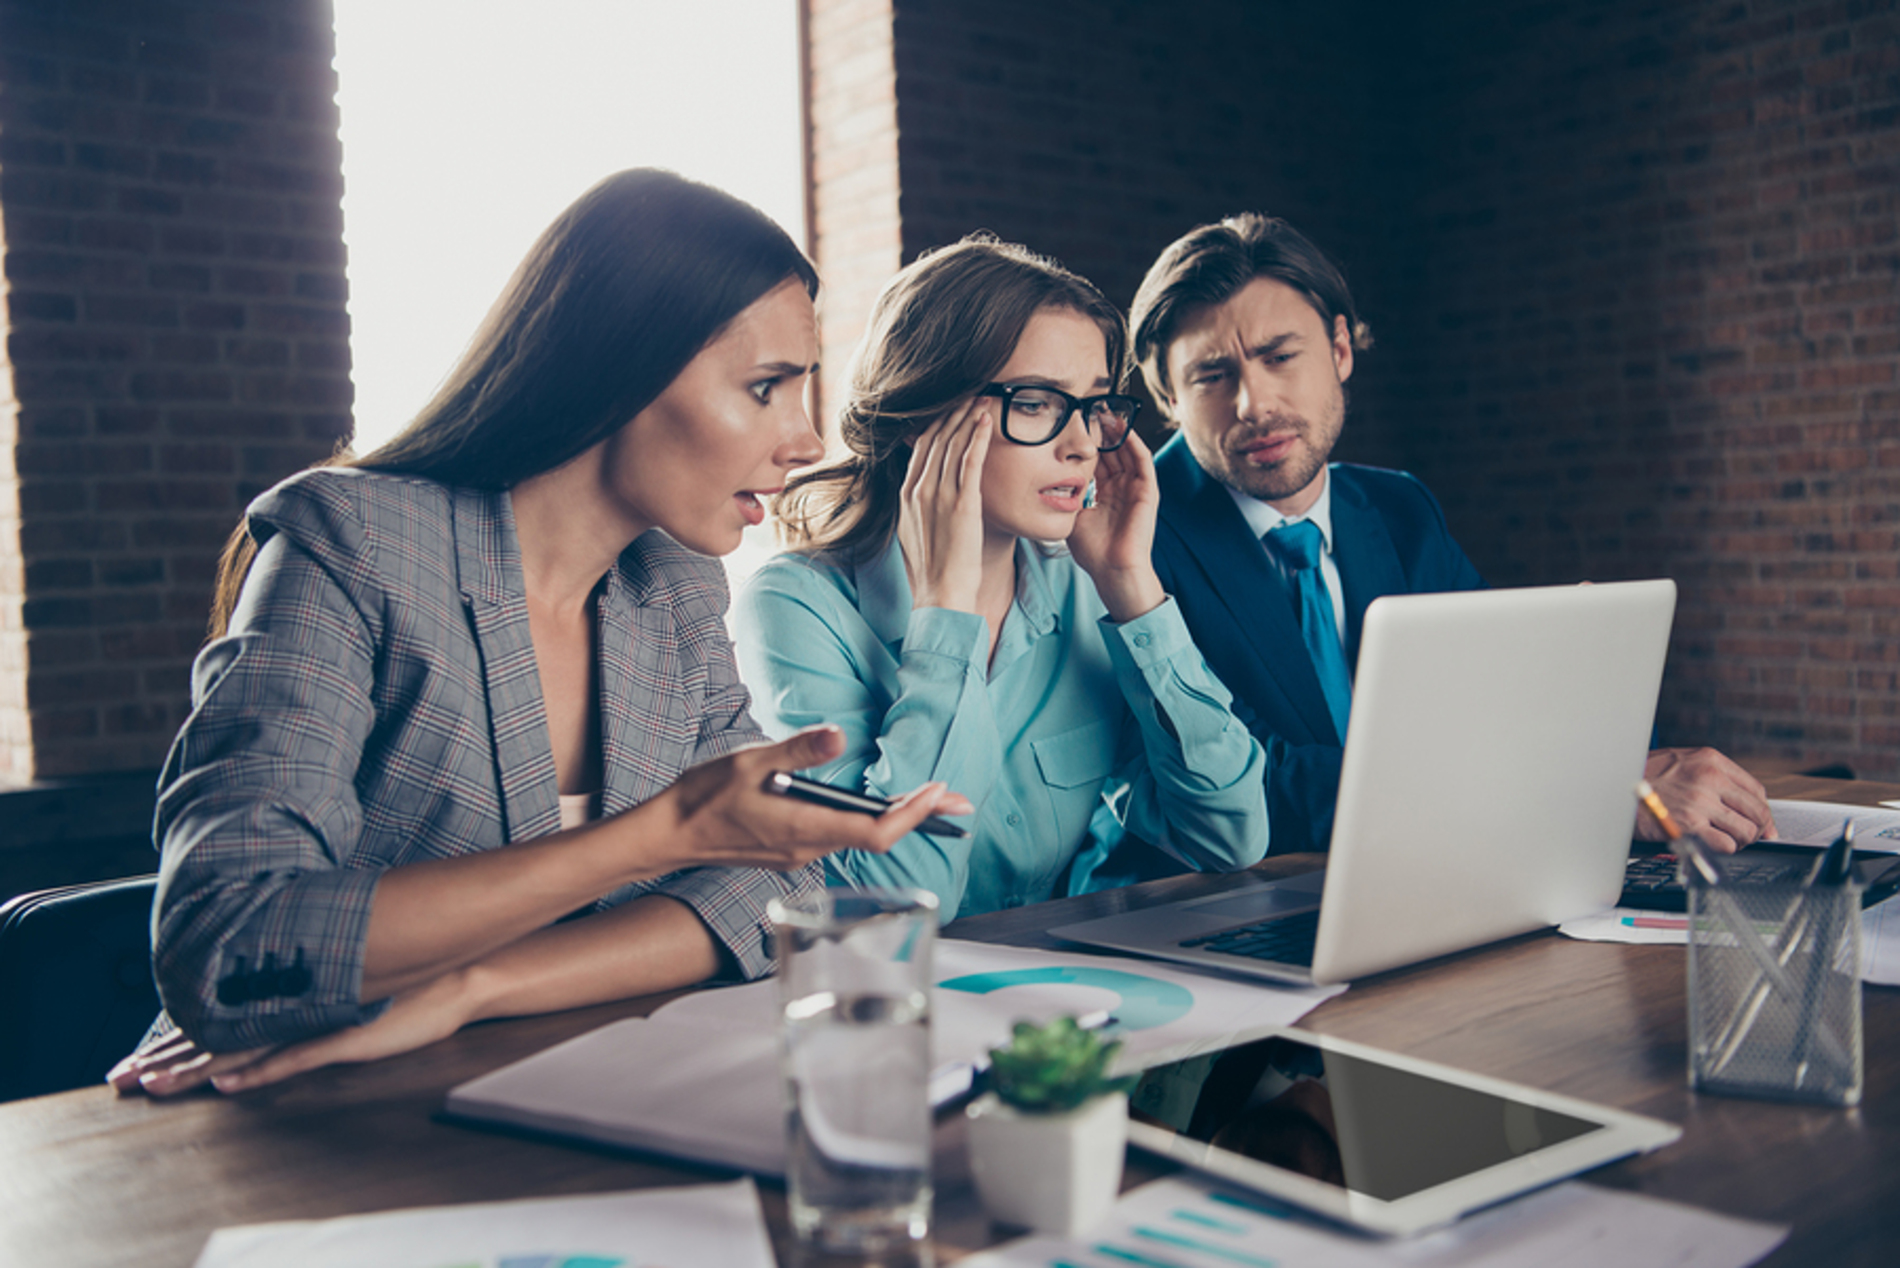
1054, 1068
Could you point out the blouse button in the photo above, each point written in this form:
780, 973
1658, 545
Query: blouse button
1142, 640
1013, 819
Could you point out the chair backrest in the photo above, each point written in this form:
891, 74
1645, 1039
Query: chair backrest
76, 990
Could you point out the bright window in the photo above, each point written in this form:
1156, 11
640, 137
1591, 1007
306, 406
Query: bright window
468, 124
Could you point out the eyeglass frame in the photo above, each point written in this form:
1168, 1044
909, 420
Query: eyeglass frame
1007, 392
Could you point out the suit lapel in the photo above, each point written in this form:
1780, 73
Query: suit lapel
488, 565
1237, 569
1368, 561
646, 732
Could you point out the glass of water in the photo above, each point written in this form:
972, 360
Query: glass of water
854, 978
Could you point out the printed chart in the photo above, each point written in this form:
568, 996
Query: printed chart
1189, 1222
656, 1228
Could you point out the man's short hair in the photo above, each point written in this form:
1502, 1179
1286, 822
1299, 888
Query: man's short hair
1211, 264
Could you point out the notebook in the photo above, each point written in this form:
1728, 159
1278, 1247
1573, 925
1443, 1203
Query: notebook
1485, 790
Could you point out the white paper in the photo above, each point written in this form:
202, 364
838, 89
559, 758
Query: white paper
1629, 924
1819, 822
689, 1089
700, 1078
1879, 934
1880, 943
1192, 1222
983, 989
704, 1224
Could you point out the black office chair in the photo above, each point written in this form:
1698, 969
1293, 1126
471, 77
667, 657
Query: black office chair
76, 990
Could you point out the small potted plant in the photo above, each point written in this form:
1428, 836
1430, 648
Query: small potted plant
1046, 1140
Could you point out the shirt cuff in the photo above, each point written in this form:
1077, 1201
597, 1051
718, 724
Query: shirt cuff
1153, 638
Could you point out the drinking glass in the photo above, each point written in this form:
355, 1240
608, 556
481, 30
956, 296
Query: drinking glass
854, 976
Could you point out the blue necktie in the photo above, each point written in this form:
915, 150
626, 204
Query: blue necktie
1297, 546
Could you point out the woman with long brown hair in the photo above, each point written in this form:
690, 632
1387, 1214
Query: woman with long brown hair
478, 681
964, 611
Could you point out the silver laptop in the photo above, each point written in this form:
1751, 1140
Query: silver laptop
1486, 789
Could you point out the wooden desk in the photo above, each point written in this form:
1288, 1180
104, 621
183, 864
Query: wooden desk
88, 1178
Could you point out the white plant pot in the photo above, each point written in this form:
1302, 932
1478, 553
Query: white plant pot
1053, 1173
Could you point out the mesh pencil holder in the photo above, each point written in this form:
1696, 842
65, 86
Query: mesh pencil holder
1774, 991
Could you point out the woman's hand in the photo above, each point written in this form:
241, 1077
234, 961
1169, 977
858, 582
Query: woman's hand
174, 1064
726, 818
940, 519
1114, 539
414, 1019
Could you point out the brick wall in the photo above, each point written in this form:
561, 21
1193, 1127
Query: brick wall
1092, 131
1656, 332
1631, 268
176, 336
1098, 132
851, 111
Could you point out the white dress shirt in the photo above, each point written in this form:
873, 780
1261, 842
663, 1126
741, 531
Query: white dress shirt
1263, 519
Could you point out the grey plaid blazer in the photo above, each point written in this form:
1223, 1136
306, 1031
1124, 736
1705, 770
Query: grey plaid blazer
376, 702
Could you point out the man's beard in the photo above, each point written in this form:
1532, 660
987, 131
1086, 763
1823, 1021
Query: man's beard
1290, 475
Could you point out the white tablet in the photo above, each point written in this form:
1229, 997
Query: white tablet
1371, 1138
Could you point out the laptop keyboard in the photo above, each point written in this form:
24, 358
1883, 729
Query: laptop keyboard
1282, 939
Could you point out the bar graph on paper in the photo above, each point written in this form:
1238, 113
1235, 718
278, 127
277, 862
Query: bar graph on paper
1194, 1222
1214, 1230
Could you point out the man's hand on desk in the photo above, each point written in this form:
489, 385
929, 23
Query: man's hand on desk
413, 1020
1708, 795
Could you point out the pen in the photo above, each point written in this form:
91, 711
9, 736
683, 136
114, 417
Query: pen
1838, 863
1835, 868
786, 784
1770, 965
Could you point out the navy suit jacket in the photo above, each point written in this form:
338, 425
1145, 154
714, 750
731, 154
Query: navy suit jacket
1389, 537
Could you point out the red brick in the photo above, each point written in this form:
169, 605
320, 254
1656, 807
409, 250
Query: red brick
157, 147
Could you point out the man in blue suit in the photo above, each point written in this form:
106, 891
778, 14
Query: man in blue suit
1246, 334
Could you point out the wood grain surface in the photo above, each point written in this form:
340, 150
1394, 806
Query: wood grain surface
91, 1178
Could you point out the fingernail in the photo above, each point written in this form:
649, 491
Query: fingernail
227, 1082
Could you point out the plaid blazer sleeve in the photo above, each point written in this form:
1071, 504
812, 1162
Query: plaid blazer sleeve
258, 814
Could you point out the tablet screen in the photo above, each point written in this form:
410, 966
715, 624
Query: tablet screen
1358, 1124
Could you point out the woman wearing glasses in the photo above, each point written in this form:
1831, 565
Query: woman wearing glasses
963, 610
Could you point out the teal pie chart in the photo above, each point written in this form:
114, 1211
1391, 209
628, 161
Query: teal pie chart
1146, 1002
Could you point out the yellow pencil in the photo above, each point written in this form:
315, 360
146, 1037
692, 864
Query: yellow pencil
1647, 795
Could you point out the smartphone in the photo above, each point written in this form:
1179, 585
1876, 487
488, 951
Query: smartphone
786, 784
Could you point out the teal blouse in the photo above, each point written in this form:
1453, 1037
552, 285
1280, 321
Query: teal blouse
1077, 731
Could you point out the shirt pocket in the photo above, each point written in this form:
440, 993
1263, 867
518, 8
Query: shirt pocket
1074, 765
1077, 758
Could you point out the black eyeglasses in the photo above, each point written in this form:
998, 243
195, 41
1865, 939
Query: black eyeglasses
1035, 415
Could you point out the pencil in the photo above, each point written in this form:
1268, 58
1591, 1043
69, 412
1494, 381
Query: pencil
1654, 804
